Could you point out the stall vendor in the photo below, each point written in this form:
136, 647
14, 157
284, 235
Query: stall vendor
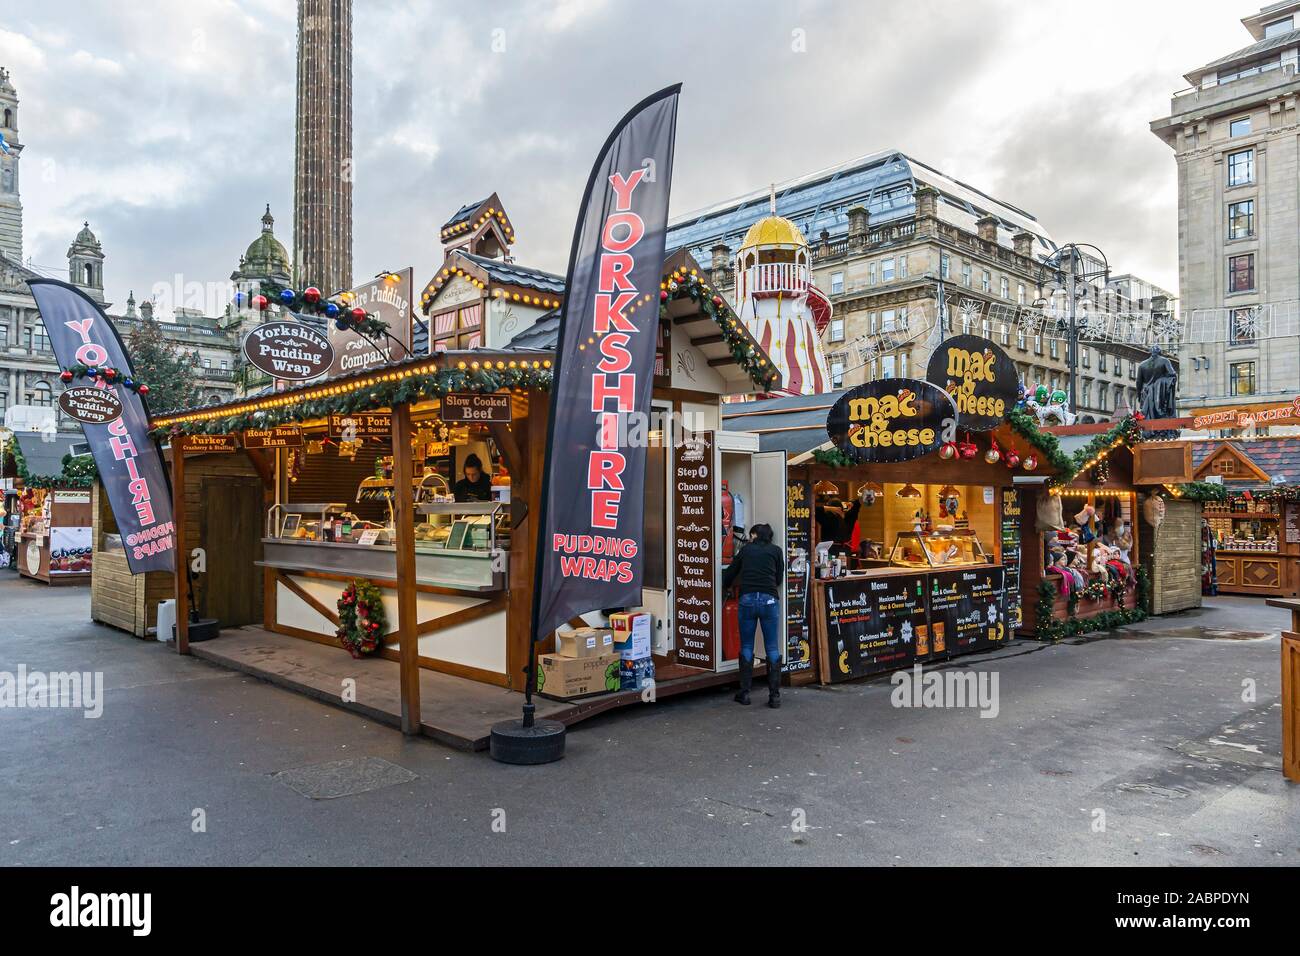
835, 520
476, 485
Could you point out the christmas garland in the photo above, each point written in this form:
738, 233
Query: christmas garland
380, 395
685, 283
104, 373
362, 622
1197, 491
1049, 629
312, 302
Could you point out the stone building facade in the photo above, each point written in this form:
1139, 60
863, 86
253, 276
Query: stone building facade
895, 244
1234, 138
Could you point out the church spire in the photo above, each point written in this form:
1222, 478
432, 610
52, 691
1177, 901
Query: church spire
11, 207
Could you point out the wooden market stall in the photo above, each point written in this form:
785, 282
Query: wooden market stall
364, 534
53, 539
1255, 528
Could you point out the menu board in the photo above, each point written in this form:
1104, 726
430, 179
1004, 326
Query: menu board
281, 436
875, 624
1292, 524
798, 573
1011, 559
694, 566
356, 425
966, 609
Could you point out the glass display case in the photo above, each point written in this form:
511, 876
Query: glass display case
937, 549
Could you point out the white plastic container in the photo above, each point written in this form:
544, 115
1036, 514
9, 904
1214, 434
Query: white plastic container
166, 620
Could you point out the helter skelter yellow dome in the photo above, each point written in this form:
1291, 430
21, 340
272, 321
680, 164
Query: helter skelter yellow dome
774, 231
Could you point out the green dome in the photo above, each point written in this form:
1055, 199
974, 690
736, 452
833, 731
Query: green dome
266, 255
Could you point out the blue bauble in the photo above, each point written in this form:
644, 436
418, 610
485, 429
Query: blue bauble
331, 309
287, 296
92, 372
341, 325
239, 298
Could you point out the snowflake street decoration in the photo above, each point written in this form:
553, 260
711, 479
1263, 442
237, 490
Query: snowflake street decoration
1166, 329
868, 350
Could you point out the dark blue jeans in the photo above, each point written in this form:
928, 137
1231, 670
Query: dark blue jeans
757, 607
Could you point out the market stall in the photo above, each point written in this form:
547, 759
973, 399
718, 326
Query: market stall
905, 515
1254, 529
53, 537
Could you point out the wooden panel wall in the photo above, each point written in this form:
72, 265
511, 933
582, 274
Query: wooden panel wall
1174, 558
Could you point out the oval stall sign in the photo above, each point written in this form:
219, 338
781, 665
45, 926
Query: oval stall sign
288, 350
891, 419
90, 405
979, 376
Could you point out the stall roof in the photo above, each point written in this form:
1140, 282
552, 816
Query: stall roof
1279, 458
510, 273
44, 453
795, 424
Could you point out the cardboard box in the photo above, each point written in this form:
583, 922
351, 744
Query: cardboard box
632, 634
566, 677
584, 642
635, 675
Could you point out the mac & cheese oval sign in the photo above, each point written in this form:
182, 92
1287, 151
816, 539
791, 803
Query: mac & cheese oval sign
890, 419
979, 376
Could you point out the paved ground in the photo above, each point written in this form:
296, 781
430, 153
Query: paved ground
1149, 729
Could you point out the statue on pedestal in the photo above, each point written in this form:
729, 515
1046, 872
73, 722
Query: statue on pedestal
1157, 390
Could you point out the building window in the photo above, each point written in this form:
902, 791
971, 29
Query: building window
871, 273
887, 270
207, 363
1241, 273
1038, 345
1006, 334
4, 403
886, 320
1239, 127
837, 330
887, 366
1006, 288
1242, 326
944, 265
42, 395
1020, 339
902, 365
4, 335
1101, 361
902, 267
1241, 168
1241, 378
1279, 27
1053, 348
966, 274
837, 373
1119, 367
1241, 219
37, 340
837, 283
1085, 358
1101, 398
225, 366
1020, 293
986, 280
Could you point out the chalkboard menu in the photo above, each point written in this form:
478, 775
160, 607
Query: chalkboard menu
694, 530
798, 571
966, 609
1011, 559
875, 624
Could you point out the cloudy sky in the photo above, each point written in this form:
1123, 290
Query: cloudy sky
170, 125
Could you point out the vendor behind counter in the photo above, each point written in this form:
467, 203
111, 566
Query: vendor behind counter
476, 484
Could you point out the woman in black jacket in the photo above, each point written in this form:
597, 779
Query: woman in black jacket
761, 569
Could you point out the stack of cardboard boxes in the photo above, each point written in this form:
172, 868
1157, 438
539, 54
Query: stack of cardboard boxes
584, 663
632, 641
596, 660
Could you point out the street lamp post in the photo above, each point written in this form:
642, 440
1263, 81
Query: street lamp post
1053, 264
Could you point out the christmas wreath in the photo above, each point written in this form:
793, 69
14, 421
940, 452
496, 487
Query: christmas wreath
362, 623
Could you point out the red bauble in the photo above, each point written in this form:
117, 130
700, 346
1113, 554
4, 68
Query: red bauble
663, 295
1011, 459
717, 301
260, 303
143, 389
109, 374
948, 451
358, 314
968, 449
65, 376
311, 295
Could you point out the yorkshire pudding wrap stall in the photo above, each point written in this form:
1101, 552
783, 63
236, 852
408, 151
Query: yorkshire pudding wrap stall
904, 516
361, 533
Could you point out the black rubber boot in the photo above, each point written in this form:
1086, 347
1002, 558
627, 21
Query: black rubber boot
774, 683
746, 679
